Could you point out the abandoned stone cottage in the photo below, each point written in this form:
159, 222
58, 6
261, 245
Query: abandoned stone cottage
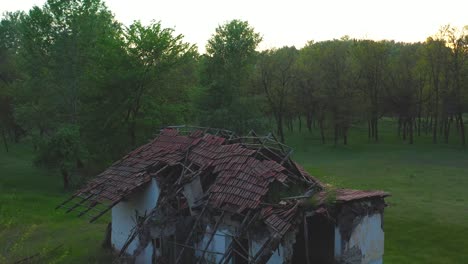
196, 195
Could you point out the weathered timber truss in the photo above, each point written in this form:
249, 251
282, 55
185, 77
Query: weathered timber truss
209, 179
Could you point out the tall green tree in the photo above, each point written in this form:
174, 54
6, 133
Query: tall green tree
372, 60
226, 77
62, 52
404, 89
277, 77
9, 74
457, 41
437, 56
309, 88
339, 86
156, 57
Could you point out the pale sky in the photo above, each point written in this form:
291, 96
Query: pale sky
290, 22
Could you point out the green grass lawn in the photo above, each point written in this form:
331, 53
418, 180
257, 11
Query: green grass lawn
426, 221
427, 217
30, 225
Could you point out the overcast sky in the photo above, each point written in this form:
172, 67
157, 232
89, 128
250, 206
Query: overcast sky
290, 22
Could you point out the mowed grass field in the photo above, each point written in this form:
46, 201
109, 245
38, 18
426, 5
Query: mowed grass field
427, 217
29, 223
426, 221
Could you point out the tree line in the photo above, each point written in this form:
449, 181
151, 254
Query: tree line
86, 89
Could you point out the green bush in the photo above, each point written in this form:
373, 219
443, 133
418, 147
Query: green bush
63, 151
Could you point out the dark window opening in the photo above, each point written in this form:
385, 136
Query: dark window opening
320, 241
240, 251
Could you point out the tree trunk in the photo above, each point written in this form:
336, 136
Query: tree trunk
462, 129
419, 117
336, 134
368, 129
399, 126
279, 122
411, 131
309, 122
300, 123
345, 136
17, 130
132, 133
442, 127
436, 113
322, 132
376, 129
5, 142
66, 179
429, 125
404, 128
425, 123
447, 130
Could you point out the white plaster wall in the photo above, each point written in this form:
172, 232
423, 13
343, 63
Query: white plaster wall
368, 236
338, 243
193, 191
378, 261
221, 241
146, 256
219, 244
123, 219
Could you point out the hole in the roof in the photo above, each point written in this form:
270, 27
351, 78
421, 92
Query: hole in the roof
207, 179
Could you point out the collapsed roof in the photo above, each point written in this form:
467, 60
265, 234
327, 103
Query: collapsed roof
253, 177
244, 168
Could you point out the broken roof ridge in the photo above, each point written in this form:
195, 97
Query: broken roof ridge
205, 130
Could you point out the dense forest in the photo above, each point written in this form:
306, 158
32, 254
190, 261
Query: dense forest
86, 89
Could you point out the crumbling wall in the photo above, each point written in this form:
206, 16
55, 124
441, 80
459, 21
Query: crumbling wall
123, 219
366, 242
284, 252
193, 191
